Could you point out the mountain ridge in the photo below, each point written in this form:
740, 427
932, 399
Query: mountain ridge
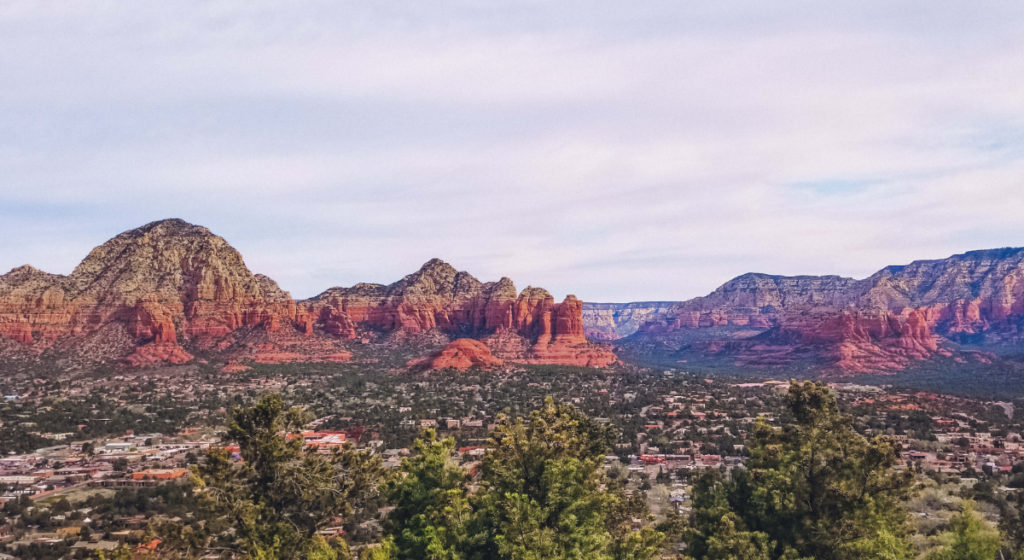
900, 315
163, 291
169, 291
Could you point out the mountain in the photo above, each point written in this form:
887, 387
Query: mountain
612, 321
169, 291
173, 292
896, 317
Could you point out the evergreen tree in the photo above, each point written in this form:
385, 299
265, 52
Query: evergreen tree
272, 504
386, 550
813, 488
431, 508
969, 538
1012, 524
543, 494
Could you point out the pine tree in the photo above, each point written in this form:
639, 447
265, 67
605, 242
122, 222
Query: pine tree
543, 492
431, 508
814, 488
542, 495
272, 504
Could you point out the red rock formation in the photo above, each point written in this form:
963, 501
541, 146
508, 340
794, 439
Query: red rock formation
844, 342
439, 298
460, 354
870, 341
885, 322
170, 288
34, 309
235, 367
582, 355
568, 326
151, 321
157, 353
167, 283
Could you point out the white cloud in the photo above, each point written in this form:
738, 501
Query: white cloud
615, 152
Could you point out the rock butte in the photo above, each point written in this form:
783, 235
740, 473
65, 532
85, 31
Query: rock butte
161, 292
460, 354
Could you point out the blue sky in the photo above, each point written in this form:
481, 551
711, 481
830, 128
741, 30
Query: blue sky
614, 151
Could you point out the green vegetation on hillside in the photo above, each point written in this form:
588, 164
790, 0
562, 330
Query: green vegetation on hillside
813, 488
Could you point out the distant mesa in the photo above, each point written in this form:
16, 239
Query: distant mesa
161, 293
611, 321
895, 318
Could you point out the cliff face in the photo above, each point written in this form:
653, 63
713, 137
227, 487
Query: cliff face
885, 322
612, 321
161, 292
975, 297
755, 300
527, 326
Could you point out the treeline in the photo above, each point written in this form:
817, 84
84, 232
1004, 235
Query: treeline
812, 488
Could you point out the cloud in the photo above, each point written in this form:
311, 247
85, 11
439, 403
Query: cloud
616, 152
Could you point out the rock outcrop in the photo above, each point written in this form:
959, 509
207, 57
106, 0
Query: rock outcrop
168, 290
526, 327
460, 354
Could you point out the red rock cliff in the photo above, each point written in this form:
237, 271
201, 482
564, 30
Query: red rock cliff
898, 315
526, 327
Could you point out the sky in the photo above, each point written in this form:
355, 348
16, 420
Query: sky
618, 151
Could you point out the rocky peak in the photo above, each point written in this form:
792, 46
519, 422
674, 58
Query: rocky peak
23, 270
888, 319
535, 294
504, 284
967, 276
435, 277
170, 259
436, 264
26, 274
170, 227
160, 285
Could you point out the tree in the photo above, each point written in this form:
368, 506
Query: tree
274, 502
1012, 523
542, 494
814, 488
431, 508
386, 550
969, 538
715, 532
120, 464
